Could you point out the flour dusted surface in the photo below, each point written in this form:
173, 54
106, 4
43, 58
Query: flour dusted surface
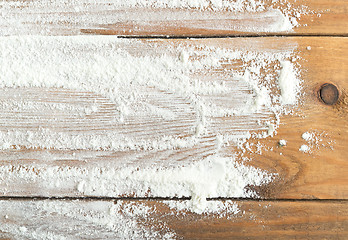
159, 117
138, 91
80, 220
164, 88
46, 17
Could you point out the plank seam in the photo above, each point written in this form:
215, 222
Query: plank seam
38, 198
226, 36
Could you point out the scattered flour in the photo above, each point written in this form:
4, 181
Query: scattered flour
46, 17
288, 83
304, 148
150, 94
133, 84
210, 178
307, 136
54, 219
282, 142
23, 229
221, 208
162, 87
317, 140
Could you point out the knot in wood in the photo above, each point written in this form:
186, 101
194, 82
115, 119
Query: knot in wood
329, 94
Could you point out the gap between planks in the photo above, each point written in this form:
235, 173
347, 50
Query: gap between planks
159, 199
225, 36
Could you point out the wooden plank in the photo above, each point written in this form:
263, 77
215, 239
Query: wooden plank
327, 23
109, 17
313, 175
320, 174
104, 219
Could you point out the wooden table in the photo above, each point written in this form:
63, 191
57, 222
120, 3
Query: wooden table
310, 199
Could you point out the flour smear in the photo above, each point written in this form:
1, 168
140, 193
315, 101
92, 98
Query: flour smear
54, 86
58, 17
139, 118
80, 220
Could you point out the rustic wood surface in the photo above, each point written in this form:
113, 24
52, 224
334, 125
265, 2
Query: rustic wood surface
321, 174
257, 220
326, 18
323, 18
307, 201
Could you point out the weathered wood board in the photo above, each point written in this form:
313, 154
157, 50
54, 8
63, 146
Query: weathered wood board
307, 200
320, 174
93, 219
20, 18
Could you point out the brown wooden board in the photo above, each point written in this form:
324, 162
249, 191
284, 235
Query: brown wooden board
96, 219
308, 198
320, 174
324, 17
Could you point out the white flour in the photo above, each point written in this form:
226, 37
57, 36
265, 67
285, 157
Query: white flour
213, 177
155, 104
288, 83
58, 17
80, 220
304, 148
132, 86
307, 136
222, 208
282, 143
316, 140
129, 82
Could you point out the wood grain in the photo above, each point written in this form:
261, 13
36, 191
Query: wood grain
326, 167
135, 22
327, 17
94, 219
320, 174
295, 208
